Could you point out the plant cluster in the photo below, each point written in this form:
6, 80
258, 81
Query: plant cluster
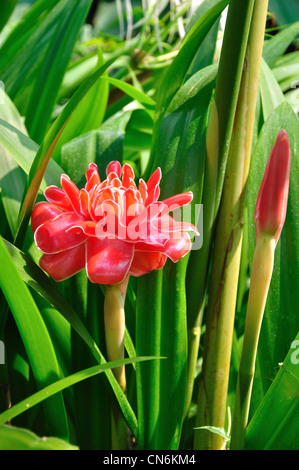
149, 248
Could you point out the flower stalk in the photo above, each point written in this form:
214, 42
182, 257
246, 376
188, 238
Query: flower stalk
114, 321
270, 214
261, 274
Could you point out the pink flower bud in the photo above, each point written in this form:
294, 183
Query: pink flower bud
271, 205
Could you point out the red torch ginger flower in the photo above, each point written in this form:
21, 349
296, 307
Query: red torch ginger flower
111, 227
271, 205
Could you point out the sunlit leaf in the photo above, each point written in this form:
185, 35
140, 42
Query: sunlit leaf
15, 438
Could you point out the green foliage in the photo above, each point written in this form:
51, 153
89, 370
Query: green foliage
12, 438
79, 86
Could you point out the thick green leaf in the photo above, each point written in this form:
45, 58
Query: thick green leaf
180, 137
281, 321
35, 337
88, 300
133, 92
77, 71
274, 425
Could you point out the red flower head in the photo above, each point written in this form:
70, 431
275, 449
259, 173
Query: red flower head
112, 227
271, 205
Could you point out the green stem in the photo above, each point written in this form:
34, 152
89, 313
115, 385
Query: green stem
199, 260
227, 250
114, 320
219, 132
261, 274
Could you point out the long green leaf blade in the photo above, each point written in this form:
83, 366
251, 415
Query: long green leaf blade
62, 384
36, 338
44, 153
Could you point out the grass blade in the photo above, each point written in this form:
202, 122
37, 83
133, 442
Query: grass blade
62, 384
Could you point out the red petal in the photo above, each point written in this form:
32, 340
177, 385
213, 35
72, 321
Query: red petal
154, 179
177, 246
143, 189
108, 260
141, 229
162, 261
168, 224
72, 192
58, 197
114, 167
177, 201
63, 265
92, 176
153, 195
145, 262
42, 212
128, 176
84, 202
108, 214
52, 236
88, 227
105, 194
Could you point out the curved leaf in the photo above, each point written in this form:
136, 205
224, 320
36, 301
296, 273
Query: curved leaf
62, 384
35, 337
